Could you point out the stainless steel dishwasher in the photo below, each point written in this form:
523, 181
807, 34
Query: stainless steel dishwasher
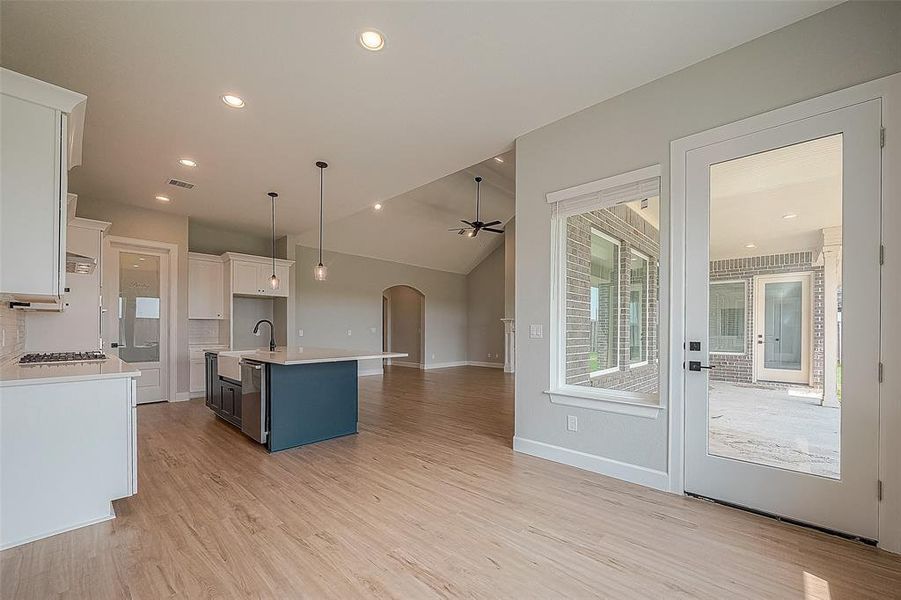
253, 400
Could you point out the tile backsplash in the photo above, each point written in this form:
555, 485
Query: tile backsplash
12, 331
207, 331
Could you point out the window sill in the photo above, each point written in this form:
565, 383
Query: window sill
603, 401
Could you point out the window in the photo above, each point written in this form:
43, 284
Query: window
607, 249
727, 317
638, 307
603, 333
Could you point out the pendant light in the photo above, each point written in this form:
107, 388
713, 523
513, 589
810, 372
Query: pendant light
320, 272
273, 281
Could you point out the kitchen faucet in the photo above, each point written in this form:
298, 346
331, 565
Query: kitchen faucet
256, 331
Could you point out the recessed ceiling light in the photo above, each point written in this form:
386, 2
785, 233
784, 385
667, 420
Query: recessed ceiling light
372, 40
233, 101
377, 206
163, 198
187, 162
751, 245
499, 159
789, 216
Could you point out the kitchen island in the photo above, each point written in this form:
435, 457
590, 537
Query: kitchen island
287, 397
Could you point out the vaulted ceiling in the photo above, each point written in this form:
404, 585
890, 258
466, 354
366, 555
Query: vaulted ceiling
455, 85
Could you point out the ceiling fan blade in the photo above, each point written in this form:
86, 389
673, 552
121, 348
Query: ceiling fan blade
467, 222
492, 230
492, 224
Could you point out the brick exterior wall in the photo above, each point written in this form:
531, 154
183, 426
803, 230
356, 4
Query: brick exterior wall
632, 232
739, 368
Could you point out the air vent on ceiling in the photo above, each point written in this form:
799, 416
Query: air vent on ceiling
181, 184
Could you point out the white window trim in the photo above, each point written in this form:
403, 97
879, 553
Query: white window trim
619, 248
647, 307
574, 201
744, 299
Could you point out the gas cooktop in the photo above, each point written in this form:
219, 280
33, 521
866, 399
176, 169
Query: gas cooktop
49, 358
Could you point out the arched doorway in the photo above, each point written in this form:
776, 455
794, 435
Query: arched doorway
403, 324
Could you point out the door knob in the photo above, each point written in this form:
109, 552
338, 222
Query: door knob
695, 365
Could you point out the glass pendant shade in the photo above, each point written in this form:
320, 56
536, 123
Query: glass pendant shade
320, 272
273, 282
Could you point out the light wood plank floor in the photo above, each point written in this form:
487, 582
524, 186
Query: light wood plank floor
428, 501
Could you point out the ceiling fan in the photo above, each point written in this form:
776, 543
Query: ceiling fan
473, 228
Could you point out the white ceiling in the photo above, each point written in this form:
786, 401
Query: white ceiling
750, 196
456, 84
412, 228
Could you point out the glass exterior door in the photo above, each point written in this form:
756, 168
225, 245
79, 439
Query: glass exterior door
782, 240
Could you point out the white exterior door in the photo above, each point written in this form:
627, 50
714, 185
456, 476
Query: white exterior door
136, 302
763, 208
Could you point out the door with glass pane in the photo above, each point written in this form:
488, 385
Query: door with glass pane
135, 290
782, 246
783, 328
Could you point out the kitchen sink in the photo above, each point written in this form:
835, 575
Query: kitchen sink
230, 363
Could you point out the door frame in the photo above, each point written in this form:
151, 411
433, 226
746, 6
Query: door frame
759, 308
888, 89
172, 251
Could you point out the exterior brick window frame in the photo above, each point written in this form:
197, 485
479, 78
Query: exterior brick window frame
593, 196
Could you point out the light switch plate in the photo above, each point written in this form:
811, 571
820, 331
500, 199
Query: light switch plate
348, 332
536, 331
572, 423
300, 333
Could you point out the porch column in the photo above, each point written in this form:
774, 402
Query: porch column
832, 281
509, 345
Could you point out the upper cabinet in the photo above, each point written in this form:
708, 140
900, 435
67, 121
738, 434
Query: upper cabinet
206, 287
40, 135
251, 275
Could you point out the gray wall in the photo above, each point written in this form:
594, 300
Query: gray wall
211, 239
135, 222
405, 306
485, 309
848, 44
351, 299
510, 269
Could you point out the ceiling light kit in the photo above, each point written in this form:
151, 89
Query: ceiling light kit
372, 40
273, 281
377, 206
320, 272
233, 101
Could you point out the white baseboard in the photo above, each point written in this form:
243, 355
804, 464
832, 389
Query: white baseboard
651, 478
445, 365
490, 365
34, 538
368, 372
404, 363
182, 396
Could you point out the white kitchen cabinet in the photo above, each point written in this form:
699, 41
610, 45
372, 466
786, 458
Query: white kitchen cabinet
206, 287
35, 134
245, 278
251, 275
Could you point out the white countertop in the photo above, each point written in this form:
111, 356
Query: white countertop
15, 374
304, 355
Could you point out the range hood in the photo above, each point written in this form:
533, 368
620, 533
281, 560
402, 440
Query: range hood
77, 263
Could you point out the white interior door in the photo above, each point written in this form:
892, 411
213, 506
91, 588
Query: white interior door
782, 328
762, 208
136, 300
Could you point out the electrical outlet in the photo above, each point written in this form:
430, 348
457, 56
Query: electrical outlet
433, 357
572, 423
300, 333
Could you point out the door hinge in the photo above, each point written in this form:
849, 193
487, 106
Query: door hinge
879, 490
882, 137
880, 372
881, 254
